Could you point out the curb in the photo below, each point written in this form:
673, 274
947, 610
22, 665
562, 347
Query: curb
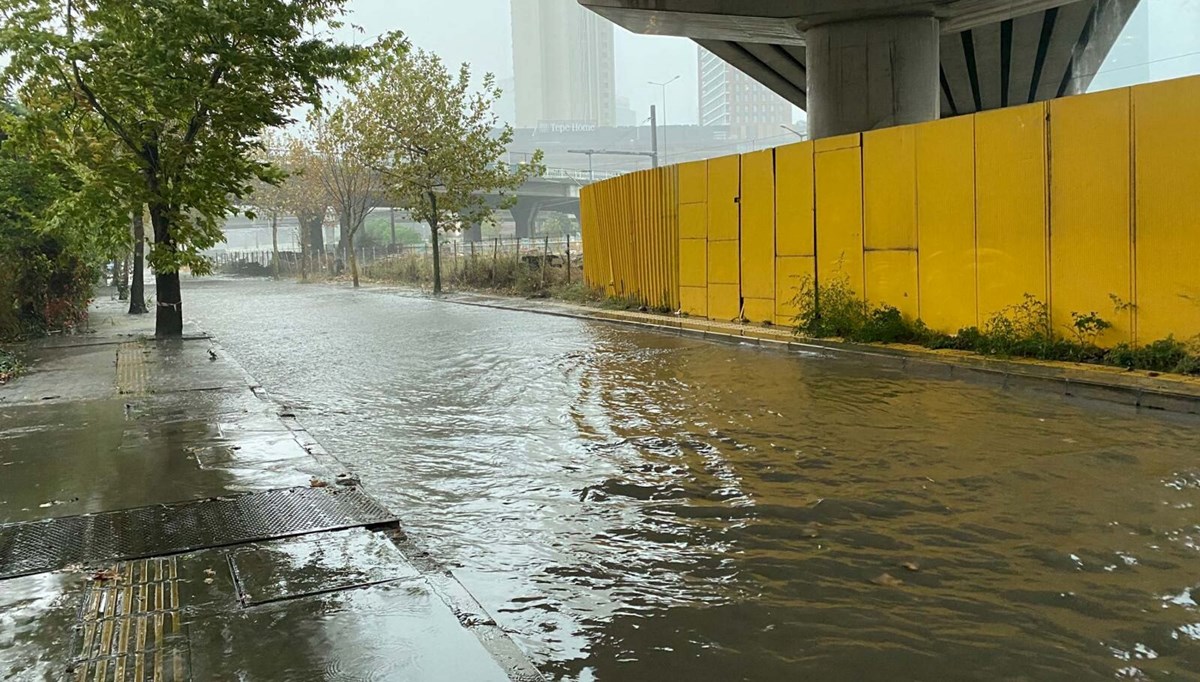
1108, 384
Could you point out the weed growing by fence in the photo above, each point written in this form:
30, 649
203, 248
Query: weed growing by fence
1022, 330
10, 367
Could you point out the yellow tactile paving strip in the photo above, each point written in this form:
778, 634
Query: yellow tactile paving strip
131, 368
130, 625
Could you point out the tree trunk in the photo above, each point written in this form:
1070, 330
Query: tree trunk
168, 320
275, 244
137, 290
437, 258
122, 274
316, 234
352, 258
303, 248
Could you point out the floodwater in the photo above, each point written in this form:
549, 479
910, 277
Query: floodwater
634, 506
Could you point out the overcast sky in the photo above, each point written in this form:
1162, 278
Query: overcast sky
479, 32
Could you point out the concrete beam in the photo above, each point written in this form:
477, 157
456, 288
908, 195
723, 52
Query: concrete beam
784, 22
745, 61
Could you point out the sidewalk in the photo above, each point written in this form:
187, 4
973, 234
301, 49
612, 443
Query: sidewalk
161, 518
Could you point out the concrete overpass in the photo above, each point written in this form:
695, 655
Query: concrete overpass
556, 190
857, 65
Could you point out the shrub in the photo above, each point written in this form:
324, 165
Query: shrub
1021, 330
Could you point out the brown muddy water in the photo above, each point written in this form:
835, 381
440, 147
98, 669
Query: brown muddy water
635, 506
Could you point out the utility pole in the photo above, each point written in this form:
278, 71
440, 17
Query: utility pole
393, 213
664, 85
653, 136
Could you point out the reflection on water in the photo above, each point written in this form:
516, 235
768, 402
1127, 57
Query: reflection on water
634, 506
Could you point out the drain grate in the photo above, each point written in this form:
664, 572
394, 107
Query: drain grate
40, 546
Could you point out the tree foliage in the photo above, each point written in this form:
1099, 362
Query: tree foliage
351, 182
435, 142
178, 93
49, 258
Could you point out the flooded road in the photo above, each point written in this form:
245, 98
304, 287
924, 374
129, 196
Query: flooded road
642, 507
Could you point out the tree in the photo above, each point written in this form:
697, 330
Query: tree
185, 88
137, 291
305, 195
352, 184
50, 258
436, 144
269, 195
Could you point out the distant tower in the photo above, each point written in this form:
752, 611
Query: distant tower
562, 63
730, 98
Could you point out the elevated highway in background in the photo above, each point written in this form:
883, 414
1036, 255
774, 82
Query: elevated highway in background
857, 65
555, 190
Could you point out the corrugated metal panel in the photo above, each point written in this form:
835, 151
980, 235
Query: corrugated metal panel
1010, 199
890, 189
839, 216
758, 227
945, 152
1090, 225
1167, 145
794, 231
790, 274
724, 180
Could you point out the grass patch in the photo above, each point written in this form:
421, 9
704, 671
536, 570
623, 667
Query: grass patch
10, 367
1023, 330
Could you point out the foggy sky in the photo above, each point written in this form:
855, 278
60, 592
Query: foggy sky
479, 32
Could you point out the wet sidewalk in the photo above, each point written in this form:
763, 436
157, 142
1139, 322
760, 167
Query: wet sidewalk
162, 518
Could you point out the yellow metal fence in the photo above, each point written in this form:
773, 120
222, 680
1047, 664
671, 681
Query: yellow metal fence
1087, 203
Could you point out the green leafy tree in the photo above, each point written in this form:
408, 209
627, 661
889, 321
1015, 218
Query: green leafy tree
305, 195
49, 258
185, 89
270, 194
436, 144
350, 181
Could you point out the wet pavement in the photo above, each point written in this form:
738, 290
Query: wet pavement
110, 426
637, 506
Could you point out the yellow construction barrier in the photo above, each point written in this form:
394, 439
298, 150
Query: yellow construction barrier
1088, 204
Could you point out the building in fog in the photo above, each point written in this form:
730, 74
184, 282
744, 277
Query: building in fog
562, 65
1160, 41
732, 99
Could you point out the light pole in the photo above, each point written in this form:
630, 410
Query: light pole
664, 85
792, 130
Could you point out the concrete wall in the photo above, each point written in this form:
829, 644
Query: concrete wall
1087, 203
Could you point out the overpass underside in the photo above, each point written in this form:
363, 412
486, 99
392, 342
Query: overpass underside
865, 64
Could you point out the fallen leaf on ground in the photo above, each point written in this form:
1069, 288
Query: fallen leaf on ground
911, 565
887, 580
318, 483
209, 571
105, 575
208, 581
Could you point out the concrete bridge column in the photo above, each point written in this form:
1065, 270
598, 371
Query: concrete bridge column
524, 213
474, 233
872, 73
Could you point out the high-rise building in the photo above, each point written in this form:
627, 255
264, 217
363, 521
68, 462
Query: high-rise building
563, 65
1156, 44
730, 98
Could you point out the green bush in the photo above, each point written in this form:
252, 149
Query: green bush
10, 366
1164, 355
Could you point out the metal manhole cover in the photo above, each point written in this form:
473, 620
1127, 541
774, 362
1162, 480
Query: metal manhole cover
316, 564
53, 544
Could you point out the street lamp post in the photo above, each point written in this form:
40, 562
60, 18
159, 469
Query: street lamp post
795, 132
664, 85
